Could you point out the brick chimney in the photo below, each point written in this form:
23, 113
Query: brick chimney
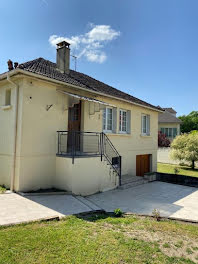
10, 65
63, 57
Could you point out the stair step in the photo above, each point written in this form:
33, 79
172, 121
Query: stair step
132, 184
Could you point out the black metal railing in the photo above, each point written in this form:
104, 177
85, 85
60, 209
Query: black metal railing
112, 155
78, 143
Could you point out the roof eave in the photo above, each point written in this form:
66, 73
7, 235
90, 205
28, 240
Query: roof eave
39, 76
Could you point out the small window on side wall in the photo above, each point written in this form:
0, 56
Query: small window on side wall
8, 97
145, 125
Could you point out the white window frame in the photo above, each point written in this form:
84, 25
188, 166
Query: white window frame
147, 133
106, 120
120, 130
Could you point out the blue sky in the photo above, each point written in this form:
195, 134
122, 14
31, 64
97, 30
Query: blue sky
148, 48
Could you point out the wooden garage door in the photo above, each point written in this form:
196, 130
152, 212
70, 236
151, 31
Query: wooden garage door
142, 164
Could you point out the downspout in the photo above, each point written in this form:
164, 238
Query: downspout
15, 132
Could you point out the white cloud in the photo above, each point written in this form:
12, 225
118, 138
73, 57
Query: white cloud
91, 44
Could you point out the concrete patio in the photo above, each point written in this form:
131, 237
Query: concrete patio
171, 200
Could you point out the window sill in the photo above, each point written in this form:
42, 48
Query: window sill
6, 107
118, 134
145, 136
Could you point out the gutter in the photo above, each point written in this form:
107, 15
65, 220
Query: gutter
12, 182
38, 76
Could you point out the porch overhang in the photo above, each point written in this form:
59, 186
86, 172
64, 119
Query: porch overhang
94, 106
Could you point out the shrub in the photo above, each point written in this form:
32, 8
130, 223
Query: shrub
156, 214
163, 141
185, 148
118, 212
176, 170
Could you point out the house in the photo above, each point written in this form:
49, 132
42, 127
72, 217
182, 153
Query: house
63, 129
169, 124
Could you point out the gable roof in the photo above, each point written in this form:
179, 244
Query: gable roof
170, 110
49, 69
168, 117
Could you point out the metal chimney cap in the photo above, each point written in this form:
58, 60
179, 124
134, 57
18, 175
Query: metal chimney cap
63, 44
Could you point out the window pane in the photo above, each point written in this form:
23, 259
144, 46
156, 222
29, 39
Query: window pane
144, 124
170, 132
124, 120
162, 130
120, 121
166, 132
109, 119
174, 132
104, 119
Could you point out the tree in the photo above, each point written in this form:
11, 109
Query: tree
163, 141
189, 122
185, 148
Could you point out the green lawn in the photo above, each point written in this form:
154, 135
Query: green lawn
2, 189
100, 239
183, 170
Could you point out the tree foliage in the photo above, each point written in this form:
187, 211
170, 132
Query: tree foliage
163, 141
189, 122
185, 148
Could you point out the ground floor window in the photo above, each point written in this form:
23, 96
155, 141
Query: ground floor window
169, 132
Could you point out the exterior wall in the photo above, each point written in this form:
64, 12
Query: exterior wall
38, 144
85, 177
7, 121
163, 156
128, 145
43, 111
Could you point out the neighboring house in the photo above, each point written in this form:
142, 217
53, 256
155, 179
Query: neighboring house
169, 124
103, 133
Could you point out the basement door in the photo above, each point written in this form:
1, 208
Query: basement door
74, 124
143, 164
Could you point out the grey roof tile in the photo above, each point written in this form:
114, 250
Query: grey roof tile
47, 68
167, 117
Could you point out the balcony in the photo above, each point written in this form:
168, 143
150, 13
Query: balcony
75, 144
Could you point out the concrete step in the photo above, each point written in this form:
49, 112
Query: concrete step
128, 179
134, 181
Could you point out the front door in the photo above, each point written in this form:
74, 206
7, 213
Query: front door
74, 125
142, 164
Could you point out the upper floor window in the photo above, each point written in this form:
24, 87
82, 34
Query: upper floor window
108, 119
145, 125
123, 121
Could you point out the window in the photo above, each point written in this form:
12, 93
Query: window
146, 125
8, 97
169, 132
123, 121
108, 119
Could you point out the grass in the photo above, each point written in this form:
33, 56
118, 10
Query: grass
100, 239
2, 189
183, 170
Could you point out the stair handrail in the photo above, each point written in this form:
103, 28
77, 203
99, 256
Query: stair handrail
118, 170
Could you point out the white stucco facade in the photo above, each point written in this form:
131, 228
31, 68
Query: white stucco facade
42, 111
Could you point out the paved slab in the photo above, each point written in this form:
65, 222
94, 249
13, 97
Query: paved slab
16, 209
170, 199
